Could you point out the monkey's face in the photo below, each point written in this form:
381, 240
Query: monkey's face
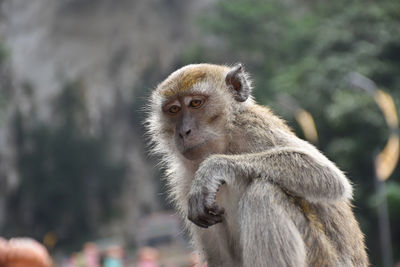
191, 110
196, 121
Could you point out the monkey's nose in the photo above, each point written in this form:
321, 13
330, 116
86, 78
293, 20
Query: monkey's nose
185, 133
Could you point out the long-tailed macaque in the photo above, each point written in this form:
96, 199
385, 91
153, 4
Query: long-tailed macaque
250, 192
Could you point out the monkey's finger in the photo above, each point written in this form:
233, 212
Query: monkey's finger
216, 210
201, 223
211, 219
199, 218
210, 222
207, 216
215, 221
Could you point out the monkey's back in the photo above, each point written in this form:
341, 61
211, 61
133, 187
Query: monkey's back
343, 232
330, 232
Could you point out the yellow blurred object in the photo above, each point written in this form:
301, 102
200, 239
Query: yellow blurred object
386, 104
49, 240
307, 124
386, 160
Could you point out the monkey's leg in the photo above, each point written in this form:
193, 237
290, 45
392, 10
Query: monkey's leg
268, 235
214, 247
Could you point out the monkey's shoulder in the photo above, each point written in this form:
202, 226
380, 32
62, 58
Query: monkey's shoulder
257, 119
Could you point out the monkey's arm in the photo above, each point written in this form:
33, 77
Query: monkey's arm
304, 173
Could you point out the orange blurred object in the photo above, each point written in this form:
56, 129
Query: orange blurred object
148, 257
148, 254
23, 252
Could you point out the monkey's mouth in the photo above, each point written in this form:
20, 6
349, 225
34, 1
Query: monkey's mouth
187, 150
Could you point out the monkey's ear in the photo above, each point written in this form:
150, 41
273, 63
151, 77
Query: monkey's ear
237, 83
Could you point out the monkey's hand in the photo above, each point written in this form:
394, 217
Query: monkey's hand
203, 209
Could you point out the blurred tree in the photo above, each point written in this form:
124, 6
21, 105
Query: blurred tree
5, 80
306, 49
5, 91
68, 181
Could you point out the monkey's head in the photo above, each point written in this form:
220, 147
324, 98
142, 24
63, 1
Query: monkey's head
190, 111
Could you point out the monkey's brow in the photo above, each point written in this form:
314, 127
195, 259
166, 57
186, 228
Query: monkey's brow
189, 92
172, 92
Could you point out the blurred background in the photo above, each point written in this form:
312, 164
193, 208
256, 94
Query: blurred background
75, 74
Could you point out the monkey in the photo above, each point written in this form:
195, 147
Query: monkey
250, 192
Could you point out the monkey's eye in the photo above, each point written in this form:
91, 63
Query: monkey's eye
195, 103
174, 109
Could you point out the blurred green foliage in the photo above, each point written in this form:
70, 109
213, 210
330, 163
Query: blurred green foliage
306, 49
69, 183
5, 80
